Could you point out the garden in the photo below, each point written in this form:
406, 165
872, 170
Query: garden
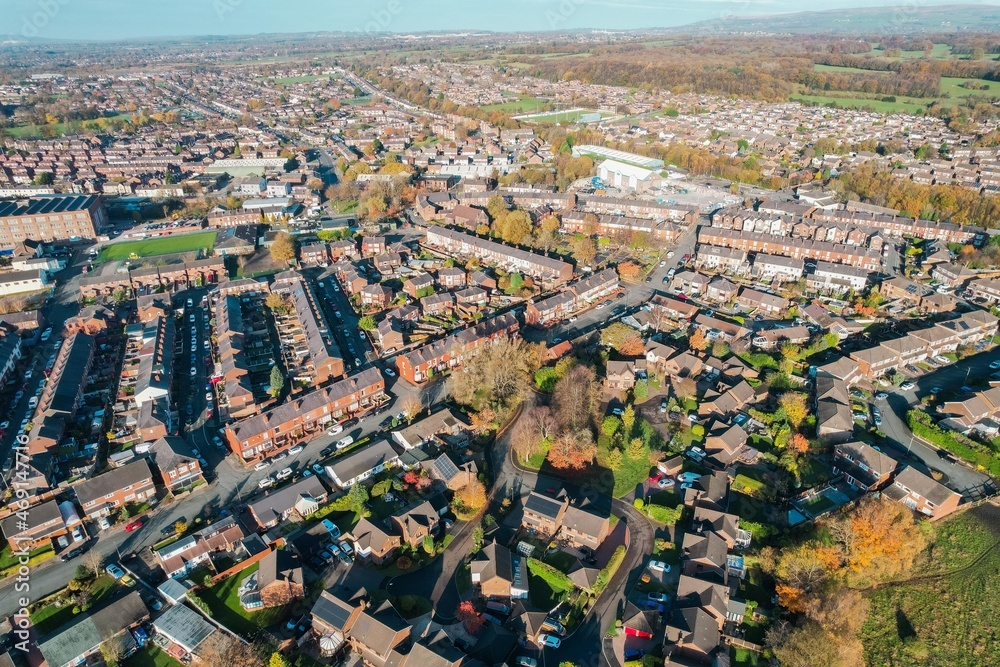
158, 246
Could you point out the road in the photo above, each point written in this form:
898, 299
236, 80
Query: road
959, 477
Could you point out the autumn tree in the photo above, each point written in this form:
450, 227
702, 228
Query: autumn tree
878, 539
614, 459
283, 248
697, 341
113, 651
411, 406
623, 339
795, 407
483, 420
799, 444
572, 451
684, 388
472, 497
628, 420
535, 426
503, 369
467, 614
803, 572
576, 398
278, 303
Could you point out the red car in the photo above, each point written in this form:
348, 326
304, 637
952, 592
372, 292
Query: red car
682, 297
134, 525
655, 477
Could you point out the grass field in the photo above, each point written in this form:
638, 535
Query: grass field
905, 104
158, 246
59, 129
288, 80
224, 601
522, 104
565, 117
950, 620
151, 656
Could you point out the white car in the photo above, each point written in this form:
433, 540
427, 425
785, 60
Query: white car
284, 473
260, 466
297, 449
208, 396
663, 263
335, 429
265, 483
659, 566
344, 443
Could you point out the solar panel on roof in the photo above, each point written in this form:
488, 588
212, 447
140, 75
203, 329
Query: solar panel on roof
446, 466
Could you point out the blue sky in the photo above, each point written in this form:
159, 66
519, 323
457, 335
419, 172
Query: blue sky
123, 19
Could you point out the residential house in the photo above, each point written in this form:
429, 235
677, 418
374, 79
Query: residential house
179, 467
80, 640
864, 467
360, 464
300, 498
278, 581
104, 494
39, 525
374, 541
922, 494
584, 527
415, 522
543, 515
496, 572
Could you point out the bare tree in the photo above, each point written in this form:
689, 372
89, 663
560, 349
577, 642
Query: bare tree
576, 398
93, 562
411, 406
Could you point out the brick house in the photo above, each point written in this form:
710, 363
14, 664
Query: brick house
922, 494
104, 494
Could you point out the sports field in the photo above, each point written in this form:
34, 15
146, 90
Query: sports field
159, 246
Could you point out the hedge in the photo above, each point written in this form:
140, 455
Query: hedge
556, 580
964, 448
604, 576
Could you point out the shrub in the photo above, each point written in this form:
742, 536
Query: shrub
609, 570
664, 515
556, 580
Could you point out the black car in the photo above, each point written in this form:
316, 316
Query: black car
70, 555
316, 563
327, 451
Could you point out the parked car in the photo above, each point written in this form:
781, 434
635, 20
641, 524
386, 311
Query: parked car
114, 570
344, 558
907, 386
346, 547
134, 525
525, 661
634, 654
551, 641
265, 483
345, 442
297, 449
390, 372
283, 474
659, 566
70, 555
665, 483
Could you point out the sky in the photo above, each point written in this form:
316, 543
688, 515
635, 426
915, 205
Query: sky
131, 19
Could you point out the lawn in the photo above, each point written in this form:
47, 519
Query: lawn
742, 657
818, 504
541, 594
560, 560
50, 617
523, 104
158, 246
902, 104
629, 475
224, 602
288, 80
950, 620
151, 656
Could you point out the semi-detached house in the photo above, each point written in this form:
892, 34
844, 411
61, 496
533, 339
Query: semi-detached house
106, 493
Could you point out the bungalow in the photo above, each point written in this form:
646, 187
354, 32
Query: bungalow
444, 427
301, 498
754, 300
361, 464
769, 339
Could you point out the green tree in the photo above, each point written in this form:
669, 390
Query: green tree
366, 323
614, 459
277, 381
636, 449
429, 545
628, 419
278, 660
358, 496
610, 425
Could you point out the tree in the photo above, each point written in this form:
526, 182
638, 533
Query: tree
795, 407
411, 406
628, 420
624, 339
614, 459
113, 651
498, 374
358, 496
278, 660
467, 614
277, 381
483, 420
283, 248
366, 323
684, 388
799, 444
472, 496
572, 451
277, 303
636, 449
576, 398
429, 545
610, 425
878, 540
697, 341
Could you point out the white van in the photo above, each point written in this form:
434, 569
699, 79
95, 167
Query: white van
345, 442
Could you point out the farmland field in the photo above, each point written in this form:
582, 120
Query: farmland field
901, 105
158, 246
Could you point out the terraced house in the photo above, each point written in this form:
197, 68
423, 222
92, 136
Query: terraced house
574, 298
274, 431
550, 271
311, 354
449, 353
105, 494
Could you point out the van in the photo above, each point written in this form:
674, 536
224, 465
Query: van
345, 442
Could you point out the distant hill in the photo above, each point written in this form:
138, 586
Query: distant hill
881, 20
